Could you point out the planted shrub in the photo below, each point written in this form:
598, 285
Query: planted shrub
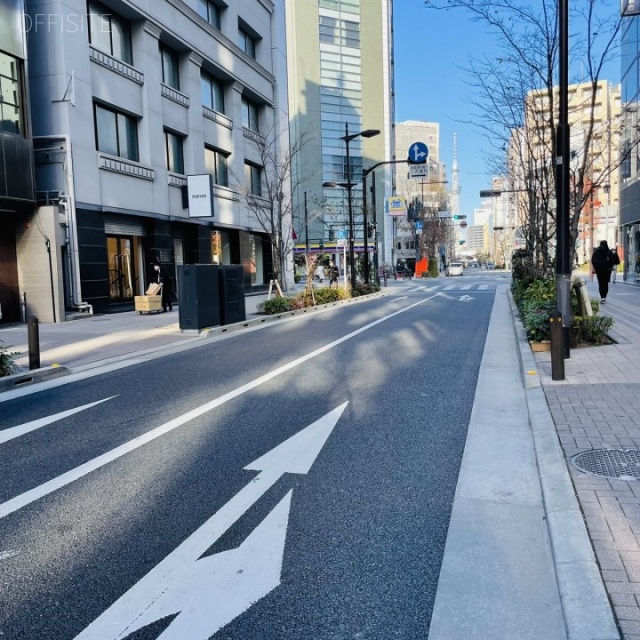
590, 330
363, 289
536, 301
275, 305
7, 365
326, 294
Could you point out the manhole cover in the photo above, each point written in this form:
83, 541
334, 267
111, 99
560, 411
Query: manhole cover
610, 463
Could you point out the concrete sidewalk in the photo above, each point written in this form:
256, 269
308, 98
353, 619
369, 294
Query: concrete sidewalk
596, 412
518, 563
89, 340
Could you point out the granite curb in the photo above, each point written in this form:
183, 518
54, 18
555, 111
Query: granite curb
587, 610
26, 378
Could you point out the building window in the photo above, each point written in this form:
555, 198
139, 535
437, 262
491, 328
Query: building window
253, 178
212, 92
109, 32
247, 43
211, 12
175, 155
116, 133
250, 114
339, 32
216, 164
11, 120
170, 67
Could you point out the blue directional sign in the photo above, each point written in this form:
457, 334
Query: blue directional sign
418, 224
342, 234
418, 153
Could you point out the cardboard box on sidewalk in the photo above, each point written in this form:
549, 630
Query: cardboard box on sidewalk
148, 303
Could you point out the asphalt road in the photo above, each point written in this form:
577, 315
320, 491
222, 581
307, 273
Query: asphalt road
292, 482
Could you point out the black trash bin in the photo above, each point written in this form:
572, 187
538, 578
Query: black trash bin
231, 287
199, 296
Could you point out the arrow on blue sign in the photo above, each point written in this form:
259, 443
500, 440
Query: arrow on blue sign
418, 153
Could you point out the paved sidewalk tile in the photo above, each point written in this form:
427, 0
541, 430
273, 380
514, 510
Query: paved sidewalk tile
597, 406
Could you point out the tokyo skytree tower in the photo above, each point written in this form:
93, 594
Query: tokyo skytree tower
454, 197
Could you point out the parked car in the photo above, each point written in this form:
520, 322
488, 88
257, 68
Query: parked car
455, 269
490, 266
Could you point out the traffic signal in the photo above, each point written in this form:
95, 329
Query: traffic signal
460, 241
371, 229
459, 216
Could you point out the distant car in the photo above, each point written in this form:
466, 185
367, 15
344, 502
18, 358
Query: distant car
455, 269
491, 265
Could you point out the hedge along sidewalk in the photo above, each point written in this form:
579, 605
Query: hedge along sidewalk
537, 301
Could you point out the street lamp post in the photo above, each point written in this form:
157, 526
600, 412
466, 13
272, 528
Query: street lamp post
365, 173
348, 137
563, 157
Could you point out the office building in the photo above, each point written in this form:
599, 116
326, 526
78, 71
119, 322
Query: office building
17, 185
131, 99
629, 235
340, 61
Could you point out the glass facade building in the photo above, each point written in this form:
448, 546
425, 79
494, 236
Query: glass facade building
629, 232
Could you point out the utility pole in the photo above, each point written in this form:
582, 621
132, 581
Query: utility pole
563, 258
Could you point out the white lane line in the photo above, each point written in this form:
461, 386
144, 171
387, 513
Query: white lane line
483, 287
450, 287
466, 287
22, 500
27, 427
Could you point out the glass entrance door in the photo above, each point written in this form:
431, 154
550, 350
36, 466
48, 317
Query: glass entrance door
121, 268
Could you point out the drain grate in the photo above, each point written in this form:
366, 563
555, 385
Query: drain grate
610, 463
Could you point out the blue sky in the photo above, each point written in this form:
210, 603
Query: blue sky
432, 49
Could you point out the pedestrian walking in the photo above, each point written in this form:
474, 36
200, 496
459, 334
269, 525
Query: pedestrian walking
320, 273
160, 277
334, 274
603, 261
616, 262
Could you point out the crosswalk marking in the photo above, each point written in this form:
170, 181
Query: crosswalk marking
449, 287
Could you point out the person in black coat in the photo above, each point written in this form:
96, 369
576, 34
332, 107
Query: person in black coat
603, 260
160, 276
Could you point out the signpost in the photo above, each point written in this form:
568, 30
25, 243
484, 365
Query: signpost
418, 153
418, 171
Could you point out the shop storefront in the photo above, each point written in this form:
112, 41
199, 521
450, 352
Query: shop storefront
116, 254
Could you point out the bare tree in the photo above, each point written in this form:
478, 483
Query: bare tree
271, 200
515, 101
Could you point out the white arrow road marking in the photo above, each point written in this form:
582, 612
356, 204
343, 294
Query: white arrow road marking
465, 298
27, 427
22, 500
210, 592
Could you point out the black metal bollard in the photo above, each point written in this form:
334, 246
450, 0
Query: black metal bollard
34, 344
557, 346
